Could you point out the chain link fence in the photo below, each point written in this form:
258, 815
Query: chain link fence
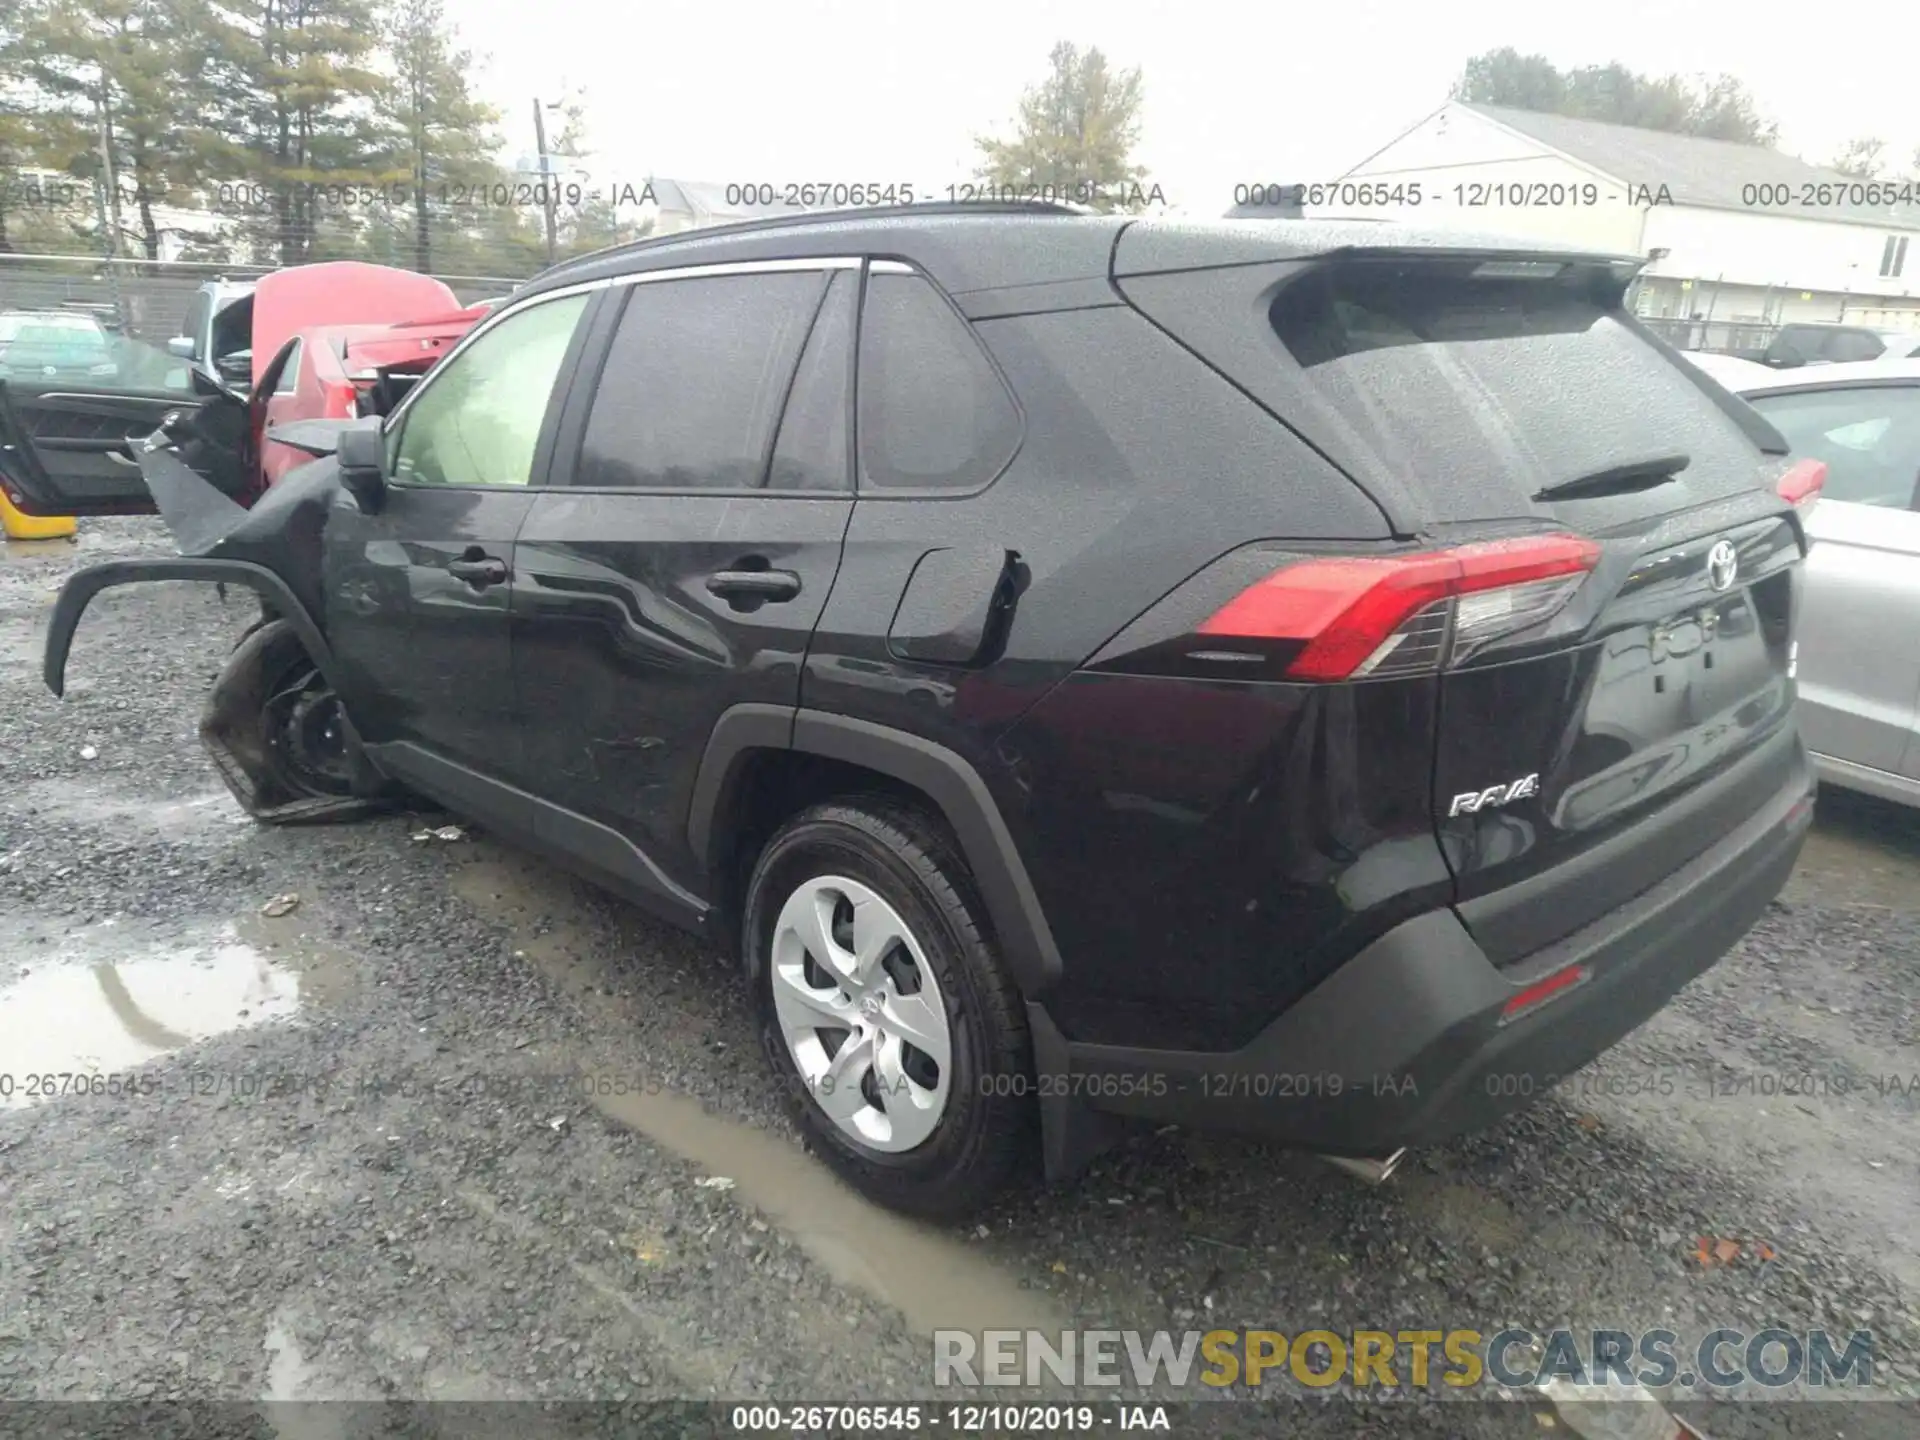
1715, 337
146, 300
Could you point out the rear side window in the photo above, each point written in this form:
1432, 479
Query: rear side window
695, 381
934, 413
1483, 391
1869, 439
812, 452
1846, 345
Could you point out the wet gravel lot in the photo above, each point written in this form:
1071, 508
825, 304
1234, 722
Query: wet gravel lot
440, 1131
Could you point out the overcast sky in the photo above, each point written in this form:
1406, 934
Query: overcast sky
861, 90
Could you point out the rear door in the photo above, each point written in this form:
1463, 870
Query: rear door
679, 565
1486, 396
1860, 616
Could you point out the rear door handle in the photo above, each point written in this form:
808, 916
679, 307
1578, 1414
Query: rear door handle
763, 584
480, 571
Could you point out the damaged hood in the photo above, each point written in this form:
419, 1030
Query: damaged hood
339, 292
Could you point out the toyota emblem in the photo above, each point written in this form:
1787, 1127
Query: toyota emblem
1723, 564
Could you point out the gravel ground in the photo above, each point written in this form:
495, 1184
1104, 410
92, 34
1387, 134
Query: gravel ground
362, 1162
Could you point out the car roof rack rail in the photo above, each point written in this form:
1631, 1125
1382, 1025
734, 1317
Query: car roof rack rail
761, 223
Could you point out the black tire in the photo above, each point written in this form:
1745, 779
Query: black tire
908, 857
268, 698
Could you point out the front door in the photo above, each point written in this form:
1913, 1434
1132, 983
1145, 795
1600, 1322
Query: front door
68, 449
682, 559
418, 594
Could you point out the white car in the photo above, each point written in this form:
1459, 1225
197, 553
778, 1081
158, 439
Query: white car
1859, 659
1734, 373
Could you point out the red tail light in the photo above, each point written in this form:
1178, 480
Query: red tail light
1406, 613
1803, 482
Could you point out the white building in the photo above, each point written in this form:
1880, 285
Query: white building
1736, 234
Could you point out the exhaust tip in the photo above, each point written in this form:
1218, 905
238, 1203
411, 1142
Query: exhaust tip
1373, 1172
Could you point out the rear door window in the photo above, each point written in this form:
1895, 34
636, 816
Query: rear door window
1869, 438
695, 380
1846, 345
1481, 391
813, 451
934, 412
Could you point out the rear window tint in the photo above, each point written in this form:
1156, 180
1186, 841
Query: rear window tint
1481, 392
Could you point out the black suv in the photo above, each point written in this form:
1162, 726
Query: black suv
1319, 681
1826, 344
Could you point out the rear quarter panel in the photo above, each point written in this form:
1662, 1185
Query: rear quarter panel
1138, 467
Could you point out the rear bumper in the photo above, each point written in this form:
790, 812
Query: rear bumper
1404, 1045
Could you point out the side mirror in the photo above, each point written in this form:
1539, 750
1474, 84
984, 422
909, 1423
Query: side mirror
181, 347
362, 458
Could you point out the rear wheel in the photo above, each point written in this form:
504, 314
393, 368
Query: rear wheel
895, 1031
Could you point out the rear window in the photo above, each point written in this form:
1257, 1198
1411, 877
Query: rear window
1483, 391
58, 339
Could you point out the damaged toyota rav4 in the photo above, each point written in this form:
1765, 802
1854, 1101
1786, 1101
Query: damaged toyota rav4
1282, 677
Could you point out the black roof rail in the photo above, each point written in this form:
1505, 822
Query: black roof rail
817, 217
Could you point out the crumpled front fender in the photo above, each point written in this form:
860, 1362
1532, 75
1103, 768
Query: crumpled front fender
229, 727
83, 585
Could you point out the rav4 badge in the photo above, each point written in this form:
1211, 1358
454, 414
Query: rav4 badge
1475, 800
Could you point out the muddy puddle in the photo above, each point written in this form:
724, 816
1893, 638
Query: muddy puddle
934, 1279
106, 1000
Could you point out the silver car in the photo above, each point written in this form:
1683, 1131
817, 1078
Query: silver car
1860, 613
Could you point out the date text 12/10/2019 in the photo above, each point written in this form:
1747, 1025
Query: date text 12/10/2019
883, 1419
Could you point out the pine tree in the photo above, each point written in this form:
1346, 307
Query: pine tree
438, 138
116, 77
295, 87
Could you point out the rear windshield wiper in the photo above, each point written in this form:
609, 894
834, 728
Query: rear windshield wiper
1618, 479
